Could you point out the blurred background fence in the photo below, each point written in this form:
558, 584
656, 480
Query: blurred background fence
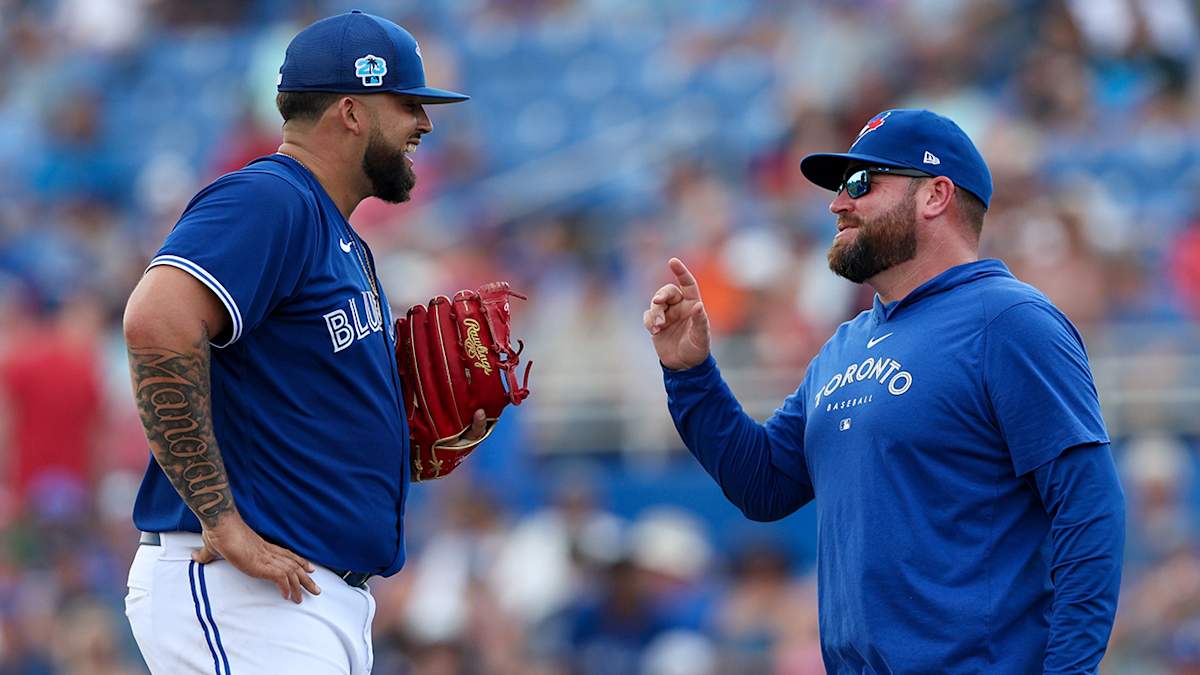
603, 136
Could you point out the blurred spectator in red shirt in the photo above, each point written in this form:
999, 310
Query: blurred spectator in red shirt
1184, 266
51, 387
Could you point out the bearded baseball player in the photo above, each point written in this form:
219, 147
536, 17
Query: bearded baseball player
280, 456
969, 517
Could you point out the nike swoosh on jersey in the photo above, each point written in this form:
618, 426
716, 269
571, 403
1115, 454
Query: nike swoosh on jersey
345, 245
874, 341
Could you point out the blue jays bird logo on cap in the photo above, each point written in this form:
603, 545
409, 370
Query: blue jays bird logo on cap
876, 122
371, 70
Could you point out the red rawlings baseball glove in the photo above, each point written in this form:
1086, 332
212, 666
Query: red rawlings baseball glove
455, 358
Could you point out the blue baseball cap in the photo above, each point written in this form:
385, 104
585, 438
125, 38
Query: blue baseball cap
909, 139
357, 53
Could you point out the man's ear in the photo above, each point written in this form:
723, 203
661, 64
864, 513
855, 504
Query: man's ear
353, 115
938, 196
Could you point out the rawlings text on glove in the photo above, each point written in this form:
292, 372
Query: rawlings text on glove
455, 358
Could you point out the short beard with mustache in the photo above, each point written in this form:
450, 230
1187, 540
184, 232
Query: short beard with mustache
391, 178
881, 244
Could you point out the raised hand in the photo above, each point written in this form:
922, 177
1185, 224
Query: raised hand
677, 322
233, 540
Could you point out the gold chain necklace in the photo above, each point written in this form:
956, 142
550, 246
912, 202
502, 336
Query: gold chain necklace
356, 242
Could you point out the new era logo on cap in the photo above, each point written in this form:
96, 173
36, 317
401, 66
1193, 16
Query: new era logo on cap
931, 158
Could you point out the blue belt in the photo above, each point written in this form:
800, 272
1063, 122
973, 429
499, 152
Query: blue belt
355, 579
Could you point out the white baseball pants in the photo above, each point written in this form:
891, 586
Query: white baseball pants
192, 619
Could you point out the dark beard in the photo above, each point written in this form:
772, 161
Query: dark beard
391, 178
881, 243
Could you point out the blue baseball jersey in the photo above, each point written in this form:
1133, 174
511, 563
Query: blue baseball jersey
306, 402
915, 432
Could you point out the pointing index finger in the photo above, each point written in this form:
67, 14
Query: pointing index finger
687, 282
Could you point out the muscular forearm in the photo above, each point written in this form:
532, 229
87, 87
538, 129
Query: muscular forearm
171, 386
1084, 500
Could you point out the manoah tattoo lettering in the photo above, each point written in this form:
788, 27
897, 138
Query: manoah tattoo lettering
173, 398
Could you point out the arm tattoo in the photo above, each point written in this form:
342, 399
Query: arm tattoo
174, 400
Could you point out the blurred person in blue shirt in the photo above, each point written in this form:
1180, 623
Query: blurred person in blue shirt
610, 632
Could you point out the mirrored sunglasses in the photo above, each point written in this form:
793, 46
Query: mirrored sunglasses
858, 182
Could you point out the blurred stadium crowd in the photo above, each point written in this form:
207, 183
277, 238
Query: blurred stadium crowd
603, 137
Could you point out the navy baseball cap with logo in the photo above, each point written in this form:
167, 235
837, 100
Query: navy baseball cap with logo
357, 53
909, 139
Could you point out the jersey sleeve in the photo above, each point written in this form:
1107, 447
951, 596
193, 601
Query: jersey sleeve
246, 237
760, 469
786, 428
1039, 384
1082, 495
